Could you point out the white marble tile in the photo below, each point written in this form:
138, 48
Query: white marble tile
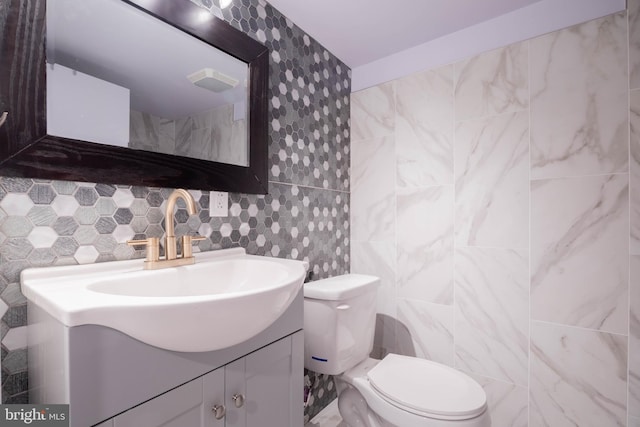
236, 150
424, 239
491, 83
373, 189
203, 119
578, 377
144, 131
634, 338
199, 146
183, 128
492, 313
229, 137
431, 328
221, 120
378, 259
578, 100
508, 403
633, 422
167, 136
373, 112
424, 128
492, 182
579, 251
633, 7
634, 118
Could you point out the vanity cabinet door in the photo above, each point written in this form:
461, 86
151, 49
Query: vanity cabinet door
213, 405
180, 407
261, 389
236, 399
270, 381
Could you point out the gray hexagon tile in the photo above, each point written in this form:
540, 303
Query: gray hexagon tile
86, 196
65, 187
309, 99
16, 204
304, 216
291, 222
65, 205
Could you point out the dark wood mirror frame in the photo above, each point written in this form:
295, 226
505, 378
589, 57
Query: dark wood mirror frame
27, 151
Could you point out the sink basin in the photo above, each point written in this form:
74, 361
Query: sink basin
225, 298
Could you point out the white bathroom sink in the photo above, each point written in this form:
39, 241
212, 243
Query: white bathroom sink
223, 299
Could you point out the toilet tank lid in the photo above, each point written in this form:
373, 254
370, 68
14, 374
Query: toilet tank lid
340, 287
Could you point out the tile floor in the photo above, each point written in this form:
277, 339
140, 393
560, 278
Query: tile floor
328, 417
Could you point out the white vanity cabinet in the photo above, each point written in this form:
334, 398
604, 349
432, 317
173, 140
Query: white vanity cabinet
112, 380
260, 389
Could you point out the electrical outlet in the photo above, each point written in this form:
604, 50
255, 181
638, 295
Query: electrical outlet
218, 203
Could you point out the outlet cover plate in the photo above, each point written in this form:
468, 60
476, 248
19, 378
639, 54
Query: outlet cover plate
218, 204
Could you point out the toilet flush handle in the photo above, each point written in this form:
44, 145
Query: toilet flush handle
343, 307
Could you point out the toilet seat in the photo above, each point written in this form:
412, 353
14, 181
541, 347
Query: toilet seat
427, 389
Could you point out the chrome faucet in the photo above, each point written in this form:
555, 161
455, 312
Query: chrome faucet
171, 258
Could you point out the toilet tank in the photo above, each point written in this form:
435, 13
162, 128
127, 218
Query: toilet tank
339, 322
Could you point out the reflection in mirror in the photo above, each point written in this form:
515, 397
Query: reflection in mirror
118, 76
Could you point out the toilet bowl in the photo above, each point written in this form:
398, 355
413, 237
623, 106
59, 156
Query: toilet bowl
397, 391
410, 392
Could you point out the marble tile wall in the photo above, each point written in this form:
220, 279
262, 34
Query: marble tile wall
634, 340
586, 133
306, 214
507, 242
634, 189
565, 388
213, 134
210, 135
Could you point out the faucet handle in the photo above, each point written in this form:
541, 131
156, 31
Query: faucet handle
152, 245
187, 241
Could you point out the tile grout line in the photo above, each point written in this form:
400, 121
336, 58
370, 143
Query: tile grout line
530, 245
630, 187
489, 116
291, 184
579, 176
454, 245
580, 328
492, 378
395, 214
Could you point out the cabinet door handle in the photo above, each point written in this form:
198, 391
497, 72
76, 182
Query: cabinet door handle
238, 400
218, 411
3, 118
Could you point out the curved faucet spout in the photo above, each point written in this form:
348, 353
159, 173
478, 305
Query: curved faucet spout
169, 216
169, 219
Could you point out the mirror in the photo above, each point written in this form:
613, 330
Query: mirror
191, 93
118, 76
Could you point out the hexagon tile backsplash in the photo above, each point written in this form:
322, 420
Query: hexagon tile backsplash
304, 216
58, 223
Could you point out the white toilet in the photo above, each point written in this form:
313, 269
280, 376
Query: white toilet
398, 391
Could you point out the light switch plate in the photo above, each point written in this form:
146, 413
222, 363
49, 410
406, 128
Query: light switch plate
218, 204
